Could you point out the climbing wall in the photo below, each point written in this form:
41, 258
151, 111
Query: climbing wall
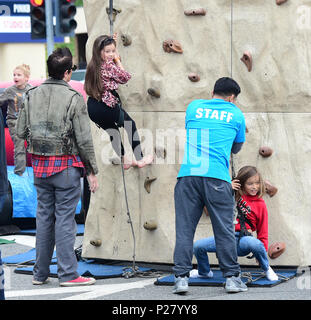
175, 51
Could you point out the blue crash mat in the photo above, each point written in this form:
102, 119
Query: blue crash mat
87, 268
252, 278
28, 257
80, 231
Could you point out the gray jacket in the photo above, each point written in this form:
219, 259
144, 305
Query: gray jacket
54, 121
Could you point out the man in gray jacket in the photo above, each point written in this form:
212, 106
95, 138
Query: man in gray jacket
55, 123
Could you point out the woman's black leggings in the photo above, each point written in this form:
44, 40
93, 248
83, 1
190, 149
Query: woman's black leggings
107, 117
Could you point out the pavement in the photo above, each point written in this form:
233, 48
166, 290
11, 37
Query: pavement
138, 290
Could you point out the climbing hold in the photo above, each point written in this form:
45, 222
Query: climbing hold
195, 12
276, 249
148, 182
265, 151
248, 60
154, 92
270, 189
96, 243
194, 77
115, 160
114, 13
279, 2
160, 152
126, 40
172, 46
150, 225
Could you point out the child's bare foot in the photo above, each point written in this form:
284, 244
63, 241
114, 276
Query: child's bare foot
128, 162
145, 161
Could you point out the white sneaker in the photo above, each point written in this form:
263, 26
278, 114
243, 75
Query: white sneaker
271, 275
194, 273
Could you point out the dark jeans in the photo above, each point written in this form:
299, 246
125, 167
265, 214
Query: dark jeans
106, 118
191, 194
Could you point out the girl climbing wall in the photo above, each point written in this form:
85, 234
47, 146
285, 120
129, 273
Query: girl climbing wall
103, 75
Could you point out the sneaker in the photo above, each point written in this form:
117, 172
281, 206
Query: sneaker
181, 285
38, 283
194, 273
235, 284
271, 275
80, 281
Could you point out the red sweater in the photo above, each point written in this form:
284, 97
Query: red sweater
258, 217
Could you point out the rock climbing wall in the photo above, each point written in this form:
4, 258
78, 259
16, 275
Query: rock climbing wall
175, 51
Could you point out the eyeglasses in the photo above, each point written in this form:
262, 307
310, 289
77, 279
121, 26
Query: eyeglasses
73, 68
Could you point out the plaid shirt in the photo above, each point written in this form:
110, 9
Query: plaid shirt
44, 166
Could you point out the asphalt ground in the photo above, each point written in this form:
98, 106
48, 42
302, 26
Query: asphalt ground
124, 296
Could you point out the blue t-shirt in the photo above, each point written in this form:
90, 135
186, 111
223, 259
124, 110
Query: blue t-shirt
212, 128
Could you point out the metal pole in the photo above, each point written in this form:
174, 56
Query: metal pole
110, 16
49, 26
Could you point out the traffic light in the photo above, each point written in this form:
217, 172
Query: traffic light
37, 18
65, 11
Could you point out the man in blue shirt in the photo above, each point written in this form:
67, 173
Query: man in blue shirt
215, 129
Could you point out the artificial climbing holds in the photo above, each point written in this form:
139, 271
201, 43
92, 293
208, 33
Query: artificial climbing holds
150, 225
194, 77
96, 243
154, 92
147, 183
195, 12
115, 160
265, 151
114, 13
160, 152
248, 60
270, 189
279, 2
126, 40
276, 249
172, 46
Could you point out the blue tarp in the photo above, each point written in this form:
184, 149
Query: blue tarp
24, 194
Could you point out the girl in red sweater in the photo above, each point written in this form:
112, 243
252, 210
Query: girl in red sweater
249, 189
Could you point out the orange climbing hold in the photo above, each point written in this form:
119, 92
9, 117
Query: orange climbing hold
194, 77
265, 151
172, 46
279, 2
248, 60
270, 189
195, 12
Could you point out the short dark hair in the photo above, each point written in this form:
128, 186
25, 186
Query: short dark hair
226, 87
58, 62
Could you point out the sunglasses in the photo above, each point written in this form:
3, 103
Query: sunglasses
73, 68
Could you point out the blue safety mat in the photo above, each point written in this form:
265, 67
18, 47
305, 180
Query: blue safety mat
80, 231
87, 268
28, 257
24, 194
252, 278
